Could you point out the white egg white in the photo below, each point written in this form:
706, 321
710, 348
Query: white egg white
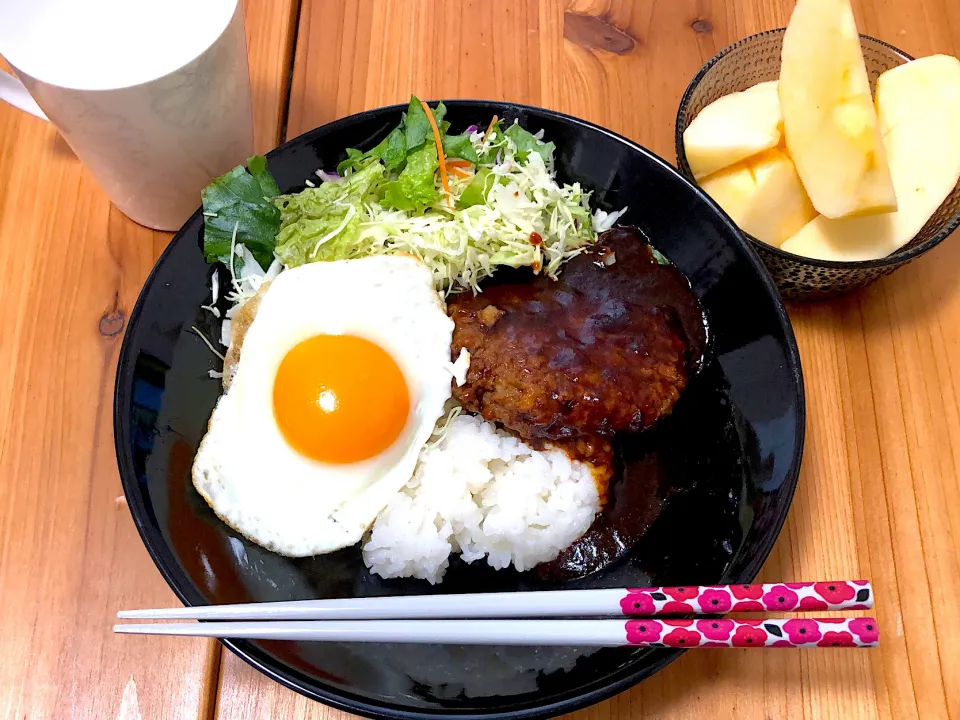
247, 471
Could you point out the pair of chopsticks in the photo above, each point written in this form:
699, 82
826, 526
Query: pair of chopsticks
455, 619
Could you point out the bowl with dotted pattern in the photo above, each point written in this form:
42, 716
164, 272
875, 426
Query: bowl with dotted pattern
756, 59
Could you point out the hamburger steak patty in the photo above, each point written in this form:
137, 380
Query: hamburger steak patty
605, 348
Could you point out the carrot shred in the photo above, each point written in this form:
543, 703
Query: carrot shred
457, 170
440, 157
493, 121
457, 162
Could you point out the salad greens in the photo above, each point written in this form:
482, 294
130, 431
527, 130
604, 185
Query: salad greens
526, 143
464, 204
460, 147
413, 132
478, 190
416, 124
414, 188
240, 202
315, 216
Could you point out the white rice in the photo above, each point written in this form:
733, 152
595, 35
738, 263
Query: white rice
482, 493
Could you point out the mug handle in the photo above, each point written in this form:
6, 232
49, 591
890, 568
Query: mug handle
13, 91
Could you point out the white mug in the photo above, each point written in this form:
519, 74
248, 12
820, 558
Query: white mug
152, 95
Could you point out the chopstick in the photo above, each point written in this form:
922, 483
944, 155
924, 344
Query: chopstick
637, 602
718, 632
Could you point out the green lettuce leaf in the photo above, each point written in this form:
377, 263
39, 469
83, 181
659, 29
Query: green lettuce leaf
414, 189
416, 124
354, 158
392, 150
476, 192
489, 156
257, 165
527, 143
413, 132
241, 200
316, 216
439, 113
659, 257
459, 146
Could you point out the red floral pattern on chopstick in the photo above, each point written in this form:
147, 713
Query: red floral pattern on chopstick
793, 633
721, 599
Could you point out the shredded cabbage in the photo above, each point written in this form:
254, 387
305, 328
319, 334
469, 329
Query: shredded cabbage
521, 217
507, 210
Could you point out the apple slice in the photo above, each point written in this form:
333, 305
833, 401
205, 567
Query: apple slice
914, 84
763, 195
829, 120
733, 128
919, 103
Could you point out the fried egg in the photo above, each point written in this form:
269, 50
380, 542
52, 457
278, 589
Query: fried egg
342, 376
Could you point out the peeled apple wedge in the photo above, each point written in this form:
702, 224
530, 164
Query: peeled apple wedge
829, 121
733, 128
763, 195
919, 103
913, 84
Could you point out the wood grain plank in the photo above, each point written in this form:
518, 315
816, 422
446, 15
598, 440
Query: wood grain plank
70, 556
270, 31
879, 486
356, 55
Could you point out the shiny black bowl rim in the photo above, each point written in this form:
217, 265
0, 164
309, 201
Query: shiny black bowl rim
341, 700
894, 259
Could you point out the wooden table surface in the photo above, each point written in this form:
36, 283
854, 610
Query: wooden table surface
878, 497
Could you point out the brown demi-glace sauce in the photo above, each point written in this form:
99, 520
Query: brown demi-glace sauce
633, 503
606, 348
634, 500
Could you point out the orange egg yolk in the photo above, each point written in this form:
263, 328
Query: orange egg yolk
340, 399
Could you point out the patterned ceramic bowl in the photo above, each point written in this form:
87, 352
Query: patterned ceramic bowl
756, 59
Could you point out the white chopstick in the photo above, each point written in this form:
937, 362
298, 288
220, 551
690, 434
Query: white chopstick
645, 602
470, 632
846, 632
481, 605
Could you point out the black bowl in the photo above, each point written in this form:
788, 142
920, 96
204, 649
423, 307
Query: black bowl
723, 466
756, 59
